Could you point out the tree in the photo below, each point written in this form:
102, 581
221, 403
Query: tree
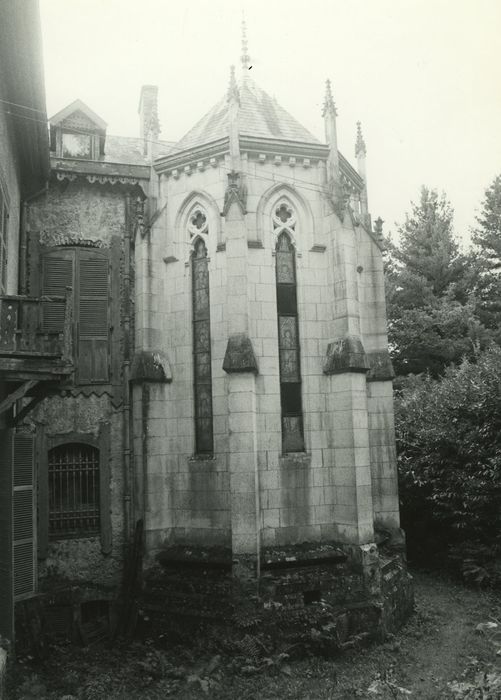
487, 239
427, 246
487, 236
432, 308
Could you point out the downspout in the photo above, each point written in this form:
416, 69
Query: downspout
23, 240
145, 387
22, 288
126, 409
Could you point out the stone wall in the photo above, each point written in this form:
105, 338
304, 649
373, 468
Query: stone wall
334, 490
9, 180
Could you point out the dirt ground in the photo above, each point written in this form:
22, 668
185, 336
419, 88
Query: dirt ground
439, 645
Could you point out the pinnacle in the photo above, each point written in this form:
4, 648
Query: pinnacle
233, 92
360, 148
245, 58
329, 104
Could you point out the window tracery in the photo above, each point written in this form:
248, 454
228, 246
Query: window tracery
197, 222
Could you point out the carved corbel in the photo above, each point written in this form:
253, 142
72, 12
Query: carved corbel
339, 197
236, 191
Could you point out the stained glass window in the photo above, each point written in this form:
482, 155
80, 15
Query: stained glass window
288, 344
201, 350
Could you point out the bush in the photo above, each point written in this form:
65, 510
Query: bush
449, 457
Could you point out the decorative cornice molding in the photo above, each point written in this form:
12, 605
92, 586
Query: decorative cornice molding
98, 168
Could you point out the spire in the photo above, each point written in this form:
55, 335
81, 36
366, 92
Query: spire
360, 153
245, 58
233, 93
329, 105
329, 114
360, 149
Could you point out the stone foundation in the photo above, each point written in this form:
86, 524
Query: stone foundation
343, 593
329, 596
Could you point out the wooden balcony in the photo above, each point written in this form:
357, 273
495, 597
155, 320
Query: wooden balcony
34, 360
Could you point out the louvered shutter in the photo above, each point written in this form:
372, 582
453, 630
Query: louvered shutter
93, 321
57, 275
6, 593
23, 519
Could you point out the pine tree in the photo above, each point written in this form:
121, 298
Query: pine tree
487, 236
432, 319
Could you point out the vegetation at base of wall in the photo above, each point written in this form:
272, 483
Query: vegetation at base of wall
444, 319
449, 460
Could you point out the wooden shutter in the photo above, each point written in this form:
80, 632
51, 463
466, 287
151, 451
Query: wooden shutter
6, 592
23, 518
93, 321
57, 275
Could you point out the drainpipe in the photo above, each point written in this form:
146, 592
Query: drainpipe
23, 240
126, 410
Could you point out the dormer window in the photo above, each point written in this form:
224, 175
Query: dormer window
77, 132
76, 145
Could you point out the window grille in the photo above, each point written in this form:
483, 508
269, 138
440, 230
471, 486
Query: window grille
73, 490
288, 335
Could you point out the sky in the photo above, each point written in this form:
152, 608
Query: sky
423, 77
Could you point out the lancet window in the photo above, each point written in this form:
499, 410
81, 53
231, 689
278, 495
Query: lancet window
201, 342
288, 332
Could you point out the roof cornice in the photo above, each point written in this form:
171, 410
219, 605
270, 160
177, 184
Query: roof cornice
256, 144
100, 169
190, 155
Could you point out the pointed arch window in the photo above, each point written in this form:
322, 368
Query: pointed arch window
202, 349
288, 334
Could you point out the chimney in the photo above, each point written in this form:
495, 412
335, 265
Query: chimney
149, 126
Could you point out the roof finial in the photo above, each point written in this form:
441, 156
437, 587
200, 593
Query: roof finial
233, 93
360, 149
329, 105
245, 58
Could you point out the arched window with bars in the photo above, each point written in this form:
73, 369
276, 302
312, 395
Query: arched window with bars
288, 332
74, 490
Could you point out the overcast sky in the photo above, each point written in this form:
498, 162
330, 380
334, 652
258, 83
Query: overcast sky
423, 77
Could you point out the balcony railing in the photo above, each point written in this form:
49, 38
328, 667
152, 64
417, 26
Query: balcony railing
22, 332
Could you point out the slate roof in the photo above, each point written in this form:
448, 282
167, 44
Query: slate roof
259, 116
129, 150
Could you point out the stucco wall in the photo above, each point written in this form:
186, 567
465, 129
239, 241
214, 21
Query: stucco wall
80, 213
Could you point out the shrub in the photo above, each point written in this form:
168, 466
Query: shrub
449, 456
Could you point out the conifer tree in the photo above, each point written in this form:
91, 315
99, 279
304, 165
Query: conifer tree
487, 236
432, 319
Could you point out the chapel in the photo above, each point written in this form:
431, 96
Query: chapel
213, 417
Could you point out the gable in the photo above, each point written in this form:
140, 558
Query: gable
78, 121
